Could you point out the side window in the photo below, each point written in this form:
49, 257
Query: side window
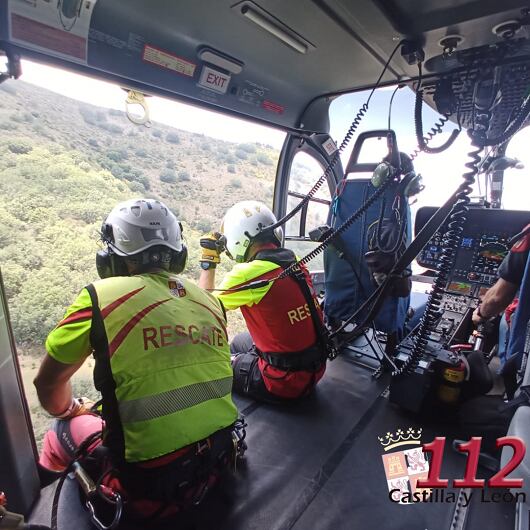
305, 171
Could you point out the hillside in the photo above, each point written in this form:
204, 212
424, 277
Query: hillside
64, 164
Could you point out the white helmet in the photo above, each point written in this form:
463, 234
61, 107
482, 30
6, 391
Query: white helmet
242, 223
138, 224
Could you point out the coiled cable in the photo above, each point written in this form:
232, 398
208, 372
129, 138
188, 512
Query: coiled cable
355, 216
347, 138
513, 126
327, 172
457, 219
436, 129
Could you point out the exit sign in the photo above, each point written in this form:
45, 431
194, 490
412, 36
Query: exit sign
214, 80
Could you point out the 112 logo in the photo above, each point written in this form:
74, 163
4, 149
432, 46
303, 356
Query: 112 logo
472, 449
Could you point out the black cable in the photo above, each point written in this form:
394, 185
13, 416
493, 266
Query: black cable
329, 169
402, 226
436, 129
457, 219
513, 127
390, 106
80, 452
351, 220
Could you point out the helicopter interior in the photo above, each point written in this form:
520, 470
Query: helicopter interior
317, 463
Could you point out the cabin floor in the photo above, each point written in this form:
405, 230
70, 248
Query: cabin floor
317, 464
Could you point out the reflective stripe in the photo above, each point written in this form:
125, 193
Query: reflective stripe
148, 408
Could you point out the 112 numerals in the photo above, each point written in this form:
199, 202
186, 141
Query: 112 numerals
472, 448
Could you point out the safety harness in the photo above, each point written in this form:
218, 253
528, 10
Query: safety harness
312, 358
182, 479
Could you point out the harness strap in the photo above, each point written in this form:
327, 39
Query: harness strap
299, 277
104, 382
309, 359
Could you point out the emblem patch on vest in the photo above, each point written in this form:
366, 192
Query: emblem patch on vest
176, 288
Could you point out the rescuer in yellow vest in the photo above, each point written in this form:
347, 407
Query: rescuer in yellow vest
162, 367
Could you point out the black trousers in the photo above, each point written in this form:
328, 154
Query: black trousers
248, 380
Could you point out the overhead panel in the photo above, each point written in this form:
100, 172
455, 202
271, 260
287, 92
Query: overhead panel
265, 59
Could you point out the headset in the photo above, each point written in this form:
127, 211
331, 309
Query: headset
109, 264
410, 184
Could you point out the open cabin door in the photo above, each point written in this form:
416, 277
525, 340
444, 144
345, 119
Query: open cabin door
18, 461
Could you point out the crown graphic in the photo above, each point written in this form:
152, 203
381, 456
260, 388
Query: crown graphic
400, 437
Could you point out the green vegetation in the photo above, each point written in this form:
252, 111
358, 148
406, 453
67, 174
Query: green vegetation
168, 176
63, 167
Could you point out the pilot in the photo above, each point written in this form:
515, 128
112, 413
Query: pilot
162, 367
501, 295
281, 357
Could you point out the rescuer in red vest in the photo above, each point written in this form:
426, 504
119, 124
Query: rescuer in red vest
281, 356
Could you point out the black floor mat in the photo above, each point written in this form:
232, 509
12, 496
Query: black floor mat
314, 464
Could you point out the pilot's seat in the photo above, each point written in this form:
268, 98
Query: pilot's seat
349, 280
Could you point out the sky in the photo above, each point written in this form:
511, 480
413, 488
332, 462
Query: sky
441, 173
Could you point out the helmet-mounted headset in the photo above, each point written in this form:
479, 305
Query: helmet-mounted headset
146, 233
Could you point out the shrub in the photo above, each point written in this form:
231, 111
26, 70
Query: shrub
8, 87
170, 164
168, 176
117, 155
183, 176
141, 152
156, 133
93, 142
204, 225
248, 148
241, 154
235, 183
111, 127
173, 138
20, 147
136, 187
264, 159
8, 125
231, 168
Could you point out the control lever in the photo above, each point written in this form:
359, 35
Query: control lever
477, 337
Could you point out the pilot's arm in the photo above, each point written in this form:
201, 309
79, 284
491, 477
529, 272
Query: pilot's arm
511, 273
495, 300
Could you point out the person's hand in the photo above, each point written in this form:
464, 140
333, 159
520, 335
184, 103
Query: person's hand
85, 407
477, 317
78, 407
213, 245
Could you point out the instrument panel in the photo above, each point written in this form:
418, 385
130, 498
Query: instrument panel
484, 244
483, 247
